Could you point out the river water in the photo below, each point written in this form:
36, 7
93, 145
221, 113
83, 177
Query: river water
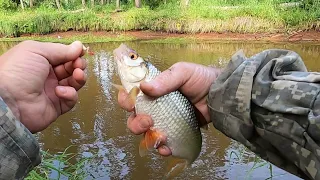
97, 125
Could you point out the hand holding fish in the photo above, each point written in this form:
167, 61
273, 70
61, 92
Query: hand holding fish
192, 80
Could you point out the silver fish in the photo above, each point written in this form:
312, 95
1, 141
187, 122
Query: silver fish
173, 115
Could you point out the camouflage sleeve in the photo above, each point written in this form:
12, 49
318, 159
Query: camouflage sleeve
19, 150
270, 103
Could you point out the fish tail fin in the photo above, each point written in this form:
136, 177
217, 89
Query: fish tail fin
175, 167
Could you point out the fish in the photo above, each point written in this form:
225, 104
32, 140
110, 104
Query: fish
173, 115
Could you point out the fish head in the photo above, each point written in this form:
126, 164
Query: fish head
132, 68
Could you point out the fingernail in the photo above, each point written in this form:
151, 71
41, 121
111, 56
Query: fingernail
147, 86
150, 83
63, 90
144, 123
75, 47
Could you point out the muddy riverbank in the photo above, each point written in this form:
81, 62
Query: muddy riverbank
105, 36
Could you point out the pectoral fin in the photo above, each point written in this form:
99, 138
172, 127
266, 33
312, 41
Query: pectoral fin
119, 87
130, 100
132, 97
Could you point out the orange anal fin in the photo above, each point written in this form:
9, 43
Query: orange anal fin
143, 151
153, 139
175, 167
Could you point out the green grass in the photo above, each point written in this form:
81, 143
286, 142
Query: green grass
59, 164
87, 38
201, 16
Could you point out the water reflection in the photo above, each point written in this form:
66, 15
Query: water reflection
97, 126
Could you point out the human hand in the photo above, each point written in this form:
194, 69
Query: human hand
39, 81
192, 80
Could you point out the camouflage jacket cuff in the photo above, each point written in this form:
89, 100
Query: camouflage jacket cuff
270, 103
19, 150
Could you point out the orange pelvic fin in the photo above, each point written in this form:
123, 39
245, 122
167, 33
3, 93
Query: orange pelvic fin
153, 139
175, 167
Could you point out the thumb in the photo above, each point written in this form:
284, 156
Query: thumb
55, 53
169, 80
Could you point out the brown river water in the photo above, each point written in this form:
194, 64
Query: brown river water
97, 125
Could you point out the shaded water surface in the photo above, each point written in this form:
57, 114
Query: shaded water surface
97, 126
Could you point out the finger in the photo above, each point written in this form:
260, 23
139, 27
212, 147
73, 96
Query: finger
77, 80
164, 150
80, 63
123, 102
55, 53
139, 124
64, 70
169, 80
202, 113
68, 96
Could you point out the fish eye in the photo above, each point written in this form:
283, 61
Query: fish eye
133, 56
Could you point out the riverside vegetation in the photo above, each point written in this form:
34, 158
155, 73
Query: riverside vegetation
194, 16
